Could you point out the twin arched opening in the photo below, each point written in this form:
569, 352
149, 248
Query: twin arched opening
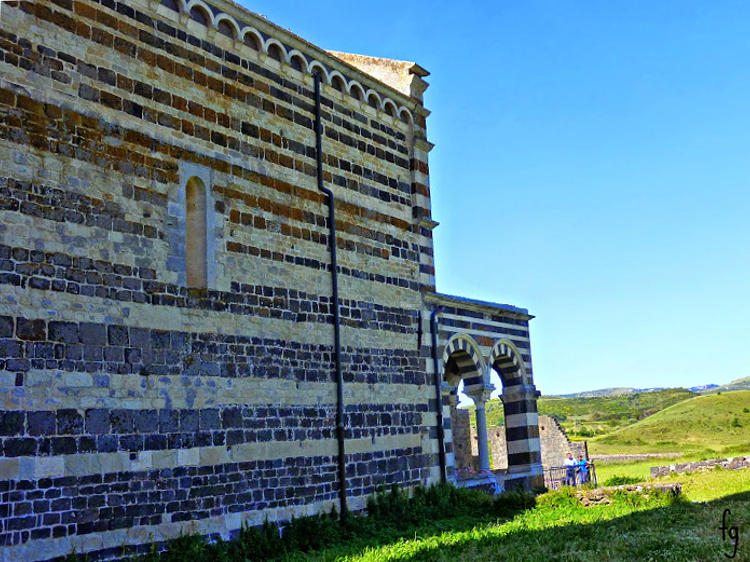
464, 361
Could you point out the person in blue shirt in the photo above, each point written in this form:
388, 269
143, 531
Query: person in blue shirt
583, 470
570, 470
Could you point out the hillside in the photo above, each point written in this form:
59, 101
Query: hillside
737, 384
589, 416
711, 423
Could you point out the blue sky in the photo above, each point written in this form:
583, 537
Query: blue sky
591, 165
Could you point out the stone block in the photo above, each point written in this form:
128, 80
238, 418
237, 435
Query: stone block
97, 421
41, 423
6, 326
69, 422
31, 329
11, 423
66, 332
92, 333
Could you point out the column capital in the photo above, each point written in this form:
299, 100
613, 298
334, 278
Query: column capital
481, 395
520, 392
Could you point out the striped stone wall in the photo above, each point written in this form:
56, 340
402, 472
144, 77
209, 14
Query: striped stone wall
136, 407
475, 338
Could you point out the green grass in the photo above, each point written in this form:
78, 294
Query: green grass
590, 416
630, 469
711, 425
560, 529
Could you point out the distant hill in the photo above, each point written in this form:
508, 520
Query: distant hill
738, 384
588, 416
616, 391
620, 391
703, 388
709, 423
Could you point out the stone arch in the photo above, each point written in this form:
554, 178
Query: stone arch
196, 233
462, 359
297, 60
519, 399
275, 50
338, 81
374, 100
226, 25
314, 67
252, 38
176, 5
200, 12
356, 90
390, 108
508, 362
405, 115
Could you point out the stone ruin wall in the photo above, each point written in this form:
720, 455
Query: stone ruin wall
133, 404
555, 443
734, 463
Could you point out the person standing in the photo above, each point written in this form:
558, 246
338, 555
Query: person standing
570, 470
583, 470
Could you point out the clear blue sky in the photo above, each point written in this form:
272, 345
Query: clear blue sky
592, 165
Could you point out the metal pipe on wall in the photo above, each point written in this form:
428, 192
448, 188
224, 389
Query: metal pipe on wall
335, 297
438, 392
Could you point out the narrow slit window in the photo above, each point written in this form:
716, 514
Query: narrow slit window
195, 234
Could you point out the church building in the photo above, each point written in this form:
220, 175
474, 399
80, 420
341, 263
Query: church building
217, 282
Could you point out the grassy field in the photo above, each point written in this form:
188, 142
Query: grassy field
561, 529
587, 417
710, 425
642, 469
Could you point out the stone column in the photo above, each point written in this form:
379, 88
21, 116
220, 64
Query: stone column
480, 396
522, 430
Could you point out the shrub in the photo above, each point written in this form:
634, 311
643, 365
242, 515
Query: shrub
311, 533
185, 547
510, 503
564, 497
386, 511
619, 480
257, 543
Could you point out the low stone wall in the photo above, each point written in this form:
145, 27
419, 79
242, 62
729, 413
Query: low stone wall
639, 457
678, 468
603, 496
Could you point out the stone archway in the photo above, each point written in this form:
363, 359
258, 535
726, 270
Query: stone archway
462, 360
519, 397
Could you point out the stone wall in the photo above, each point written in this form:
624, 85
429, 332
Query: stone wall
734, 463
134, 401
555, 443
154, 383
464, 439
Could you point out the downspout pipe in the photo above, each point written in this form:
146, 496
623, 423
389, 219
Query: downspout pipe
335, 297
438, 391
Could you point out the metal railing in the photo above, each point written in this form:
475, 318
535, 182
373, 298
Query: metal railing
555, 477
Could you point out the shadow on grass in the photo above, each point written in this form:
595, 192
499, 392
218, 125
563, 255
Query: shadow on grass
680, 531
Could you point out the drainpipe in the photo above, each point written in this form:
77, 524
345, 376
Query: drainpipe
438, 391
335, 303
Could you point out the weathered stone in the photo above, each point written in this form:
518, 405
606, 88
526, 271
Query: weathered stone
6, 326
66, 332
69, 421
41, 423
11, 423
32, 330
